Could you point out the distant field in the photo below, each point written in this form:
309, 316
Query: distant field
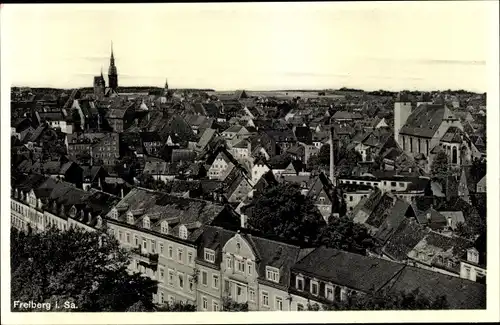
284, 94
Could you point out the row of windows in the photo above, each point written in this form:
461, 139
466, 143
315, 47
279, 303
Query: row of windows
278, 301
331, 292
154, 247
204, 304
239, 265
393, 184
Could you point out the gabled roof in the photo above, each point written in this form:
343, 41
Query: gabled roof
406, 236
453, 135
424, 120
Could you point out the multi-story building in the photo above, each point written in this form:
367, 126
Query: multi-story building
161, 231
107, 149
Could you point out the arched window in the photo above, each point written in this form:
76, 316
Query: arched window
146, 223
164, 227
183, 233
454, 155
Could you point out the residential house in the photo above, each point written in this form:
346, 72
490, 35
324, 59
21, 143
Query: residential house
439, 253
481, 185
120, 118
161, 231
221, 167
79, 144
93, 177
329, 275
324, 197
345, 116
473, 263
107, 149
152, 142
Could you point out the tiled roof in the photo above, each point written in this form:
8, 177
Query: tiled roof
424, 121
344, 115
406, 236
354, 271
453, 135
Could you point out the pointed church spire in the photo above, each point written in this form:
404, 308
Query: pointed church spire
112, 56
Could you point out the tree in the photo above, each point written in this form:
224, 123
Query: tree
86, 268
230, 305
386, 300
439, 168
342, 233
284, 212
177, 307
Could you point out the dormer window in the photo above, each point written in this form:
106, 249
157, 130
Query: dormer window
209, 255
314, 287
472, 255
72, 212
272, 274
146, 223
164, 227
99, 222
299, 283
183, 233
114, 214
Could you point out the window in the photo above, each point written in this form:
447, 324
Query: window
249, 267
300, 307
146, 223
240, 266
130, 218
191, 283
299, 283
272, 274
265, 299
162, 275
251, 294
183, 234
329, 292
180, 254
170, 277
204, 303
180, 276
161, 248
215, 281
144, 243
128, 238
314, 288
278, 304
164, 227
229, 262
153, 246
204, 276
170, 252
136, 239
162, 297
120, 235
350, 197
190, 258
393, 184
226, 287
209, 255
215, 306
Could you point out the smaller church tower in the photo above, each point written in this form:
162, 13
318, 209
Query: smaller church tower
402, 110
165, 90
99, 85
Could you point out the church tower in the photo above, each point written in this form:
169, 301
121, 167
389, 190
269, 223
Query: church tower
99, 85
112, 72
165, 90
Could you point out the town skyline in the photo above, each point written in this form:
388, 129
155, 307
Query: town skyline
328, 41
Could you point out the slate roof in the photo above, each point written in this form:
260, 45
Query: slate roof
354, 271
460, 293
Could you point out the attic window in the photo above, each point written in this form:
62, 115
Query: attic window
472, 256
209, 255
146, 223
130, 218
183, 233
114, 214
164, 227
272, 274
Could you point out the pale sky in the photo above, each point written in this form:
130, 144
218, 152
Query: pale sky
421, 45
